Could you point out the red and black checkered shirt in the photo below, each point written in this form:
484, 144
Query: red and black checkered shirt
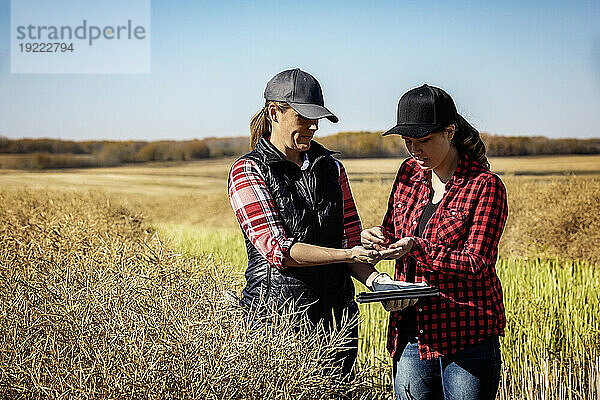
457, 253
257, 213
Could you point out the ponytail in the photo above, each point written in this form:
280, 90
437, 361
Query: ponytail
260, 124
468, 142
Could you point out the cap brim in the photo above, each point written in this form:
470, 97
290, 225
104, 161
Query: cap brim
313, 111
414, 130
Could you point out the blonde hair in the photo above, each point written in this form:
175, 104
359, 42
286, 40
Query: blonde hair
260, 123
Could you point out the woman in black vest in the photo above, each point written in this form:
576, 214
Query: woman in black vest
296, 211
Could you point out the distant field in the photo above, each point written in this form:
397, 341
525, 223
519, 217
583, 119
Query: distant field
546, 164
151, 178
386, 168
199, 187
195, 192
211, 175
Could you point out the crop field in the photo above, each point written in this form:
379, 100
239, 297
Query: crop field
113, 278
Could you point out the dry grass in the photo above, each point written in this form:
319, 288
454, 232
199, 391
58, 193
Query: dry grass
551, 347
556, 219
552, 214
93, 306
547, 165
534, 165
546, 380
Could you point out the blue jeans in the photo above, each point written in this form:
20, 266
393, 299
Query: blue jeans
473, 373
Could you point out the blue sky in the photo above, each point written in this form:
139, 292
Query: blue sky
513, 68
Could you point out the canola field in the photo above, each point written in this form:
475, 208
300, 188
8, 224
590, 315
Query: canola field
136, 229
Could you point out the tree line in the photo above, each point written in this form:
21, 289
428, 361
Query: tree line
55, 153
372, 144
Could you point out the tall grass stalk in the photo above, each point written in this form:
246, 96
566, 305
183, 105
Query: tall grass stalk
552, 342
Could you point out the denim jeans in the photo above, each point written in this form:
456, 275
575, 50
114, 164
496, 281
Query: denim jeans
473, 373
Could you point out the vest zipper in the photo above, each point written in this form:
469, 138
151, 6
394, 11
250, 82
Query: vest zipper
312, 202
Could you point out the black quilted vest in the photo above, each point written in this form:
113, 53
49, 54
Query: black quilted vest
311, 205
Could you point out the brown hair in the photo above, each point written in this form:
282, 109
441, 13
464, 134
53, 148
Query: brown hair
468, 142
260, 123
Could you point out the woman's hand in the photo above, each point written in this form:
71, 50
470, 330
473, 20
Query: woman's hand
366, 256
397, 249
373, 238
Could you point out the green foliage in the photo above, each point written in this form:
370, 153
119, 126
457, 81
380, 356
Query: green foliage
225, 245
553, 333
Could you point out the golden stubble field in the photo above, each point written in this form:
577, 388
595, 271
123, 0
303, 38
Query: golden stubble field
173, 178
552, 199
548, 265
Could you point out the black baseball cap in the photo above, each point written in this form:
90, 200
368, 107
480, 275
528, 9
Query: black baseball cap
423, 110
301, 91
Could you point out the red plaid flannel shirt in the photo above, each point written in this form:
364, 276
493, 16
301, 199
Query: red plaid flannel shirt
259, 219
457, 253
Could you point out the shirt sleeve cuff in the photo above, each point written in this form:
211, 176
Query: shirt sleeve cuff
419, 250
387, 233
280, 252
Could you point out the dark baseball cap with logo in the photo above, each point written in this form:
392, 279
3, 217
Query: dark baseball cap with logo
422, 111
301, 91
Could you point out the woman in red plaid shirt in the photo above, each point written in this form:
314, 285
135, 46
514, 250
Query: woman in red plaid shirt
445, 216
